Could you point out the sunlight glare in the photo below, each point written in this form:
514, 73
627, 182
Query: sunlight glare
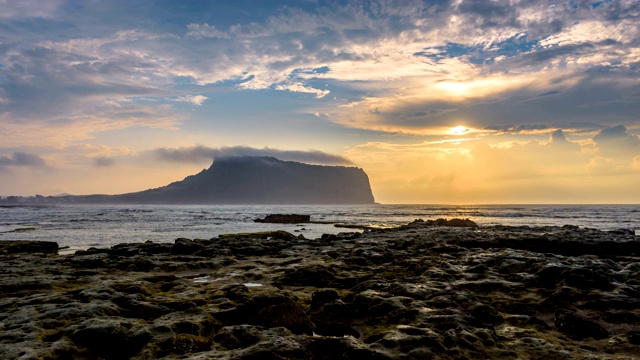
458, 130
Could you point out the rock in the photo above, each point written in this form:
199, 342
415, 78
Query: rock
328, 348
573, 324
182, 344
441, 222
285, 219
280, 234
90, 260
269, 309
415, 292
321, 297
237, 292
238, 336
405, 341
289, 314
111, 338
135, 307
275, 345
184, 246
28, 246
315, 275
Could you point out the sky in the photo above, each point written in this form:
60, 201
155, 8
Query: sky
440, 102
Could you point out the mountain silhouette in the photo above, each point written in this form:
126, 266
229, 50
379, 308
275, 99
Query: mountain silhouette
257, 180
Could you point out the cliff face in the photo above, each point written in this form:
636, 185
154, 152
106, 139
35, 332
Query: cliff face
261, 180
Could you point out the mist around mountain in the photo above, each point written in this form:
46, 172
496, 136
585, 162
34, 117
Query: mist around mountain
256, 180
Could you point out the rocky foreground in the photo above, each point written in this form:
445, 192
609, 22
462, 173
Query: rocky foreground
435, 289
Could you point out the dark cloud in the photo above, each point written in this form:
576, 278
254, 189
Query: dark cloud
196, 154
559, 140
614, 132
40, 82
517, 128
103, 161
617, 134
545, 55
490, 14
593, 103
553, 92
558, 136
617, 141
22, 159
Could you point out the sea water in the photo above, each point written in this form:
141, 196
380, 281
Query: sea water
84, 226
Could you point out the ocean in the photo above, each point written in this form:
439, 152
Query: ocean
82, 226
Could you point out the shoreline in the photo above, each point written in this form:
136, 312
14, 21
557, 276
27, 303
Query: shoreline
422, 290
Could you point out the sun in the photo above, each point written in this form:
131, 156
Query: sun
458, 130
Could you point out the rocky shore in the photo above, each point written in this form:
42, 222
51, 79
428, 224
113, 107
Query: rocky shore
430, 289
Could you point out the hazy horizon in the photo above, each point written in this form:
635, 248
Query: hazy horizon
439, 102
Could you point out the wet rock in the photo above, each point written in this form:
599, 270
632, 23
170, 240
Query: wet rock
269, 309
28, 246
279, 235
416, 292
412, 338
486, 314
238, 336
111, 338
184, 246
321, 297
289, 314
442, 222
284, 219
90, 260
311, 275
328, 348
186, 344
237, 292
573, 324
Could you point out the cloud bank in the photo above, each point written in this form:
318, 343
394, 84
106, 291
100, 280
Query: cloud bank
197, 154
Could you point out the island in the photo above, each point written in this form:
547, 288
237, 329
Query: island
246, 180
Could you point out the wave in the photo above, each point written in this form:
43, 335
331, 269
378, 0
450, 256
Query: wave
19, 230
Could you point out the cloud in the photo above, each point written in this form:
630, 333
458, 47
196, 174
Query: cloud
29, 9
193, 154
411, 56
614, 133
616, 142
205, 31
303, 89
83, 124
197, 100
103, 162
22, 159
196, 154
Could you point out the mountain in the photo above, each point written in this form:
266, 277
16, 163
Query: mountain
257, 180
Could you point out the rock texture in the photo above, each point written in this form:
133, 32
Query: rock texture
420, 291
257, 180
